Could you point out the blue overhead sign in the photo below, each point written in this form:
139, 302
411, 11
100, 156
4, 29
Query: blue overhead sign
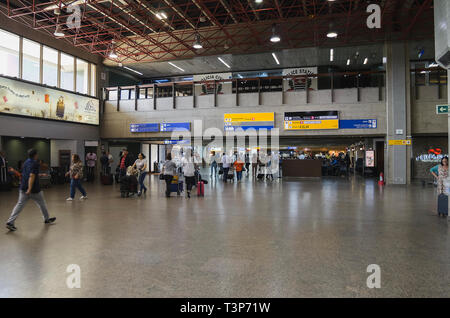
138, 128
358, 124
175, 127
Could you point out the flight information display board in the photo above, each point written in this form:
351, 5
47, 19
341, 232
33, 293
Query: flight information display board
167, 127
249, 121
139, 128
311, 120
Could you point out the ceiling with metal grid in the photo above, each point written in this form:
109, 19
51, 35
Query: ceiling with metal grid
153, 31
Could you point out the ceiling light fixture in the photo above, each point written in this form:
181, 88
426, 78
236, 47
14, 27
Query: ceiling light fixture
176, 66
331, 55
197, 43
112, 53
58, 31
366, 60
348, 62
224, 63
161, 15
275, 37
275, 58
130, 69
332, 33
258, 1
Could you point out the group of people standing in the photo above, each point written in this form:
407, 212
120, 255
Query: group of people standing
262, 164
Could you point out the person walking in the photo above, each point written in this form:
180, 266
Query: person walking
30, 189
247, 163
91, 159
213, 163
226, 163
169, 169
238, 167
125, 161
141, 165
189, 168
440, 172
255, 162
76, 177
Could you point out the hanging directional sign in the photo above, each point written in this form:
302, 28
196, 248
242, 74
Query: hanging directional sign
442, 109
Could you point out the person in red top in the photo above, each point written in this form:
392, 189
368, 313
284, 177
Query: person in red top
238, 166
125, 161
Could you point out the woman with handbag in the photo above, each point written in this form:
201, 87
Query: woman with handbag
76, 175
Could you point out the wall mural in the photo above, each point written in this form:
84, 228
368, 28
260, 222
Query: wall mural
19, 98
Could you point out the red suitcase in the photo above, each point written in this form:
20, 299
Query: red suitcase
201, 189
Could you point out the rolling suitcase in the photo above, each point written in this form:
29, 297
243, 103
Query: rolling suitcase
201, 189
442, 205
106, 178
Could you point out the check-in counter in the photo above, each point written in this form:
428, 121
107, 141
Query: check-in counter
302, 168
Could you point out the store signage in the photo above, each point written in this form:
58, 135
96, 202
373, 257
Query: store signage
311, 120
246, 121
433, 155
208, 82
442, 109
298, 82
168, 127
399, 142
139, 128
358, 124
370, 158
24, 99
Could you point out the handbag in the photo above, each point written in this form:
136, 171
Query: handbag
161, 176
221, 171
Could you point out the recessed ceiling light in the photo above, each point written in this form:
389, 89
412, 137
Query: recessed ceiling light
275, 58
332, 34
176, 66
224, 63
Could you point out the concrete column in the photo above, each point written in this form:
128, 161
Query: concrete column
397, 162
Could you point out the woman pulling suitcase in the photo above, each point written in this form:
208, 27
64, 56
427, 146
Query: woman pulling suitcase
440, 172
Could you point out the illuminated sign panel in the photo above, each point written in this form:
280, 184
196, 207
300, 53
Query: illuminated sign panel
149, 127
249, 120
165, 127
311, 120
24, 99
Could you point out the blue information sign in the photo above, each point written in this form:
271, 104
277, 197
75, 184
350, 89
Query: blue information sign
175, 127
138, 128
357, 124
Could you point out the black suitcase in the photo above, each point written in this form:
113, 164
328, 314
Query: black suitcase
442, 205
5, 180
106, 179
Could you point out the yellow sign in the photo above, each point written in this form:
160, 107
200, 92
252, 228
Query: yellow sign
312, 124
248, 117
399, 142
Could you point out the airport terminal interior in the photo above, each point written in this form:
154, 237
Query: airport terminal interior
224, 148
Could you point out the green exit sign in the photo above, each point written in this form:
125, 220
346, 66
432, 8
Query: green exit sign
442, 109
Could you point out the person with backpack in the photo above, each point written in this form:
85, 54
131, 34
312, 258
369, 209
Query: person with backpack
76, 176
189, 167
169, 170
30, 189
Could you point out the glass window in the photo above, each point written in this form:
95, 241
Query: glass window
125, 94
82, 76
67, 65
112, 95
93, 80
50, 66
31, 61
142, 93
9, 54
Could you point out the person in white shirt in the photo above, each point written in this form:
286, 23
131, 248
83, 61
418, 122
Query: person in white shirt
226, 163
141, 165
189, 168
213, 162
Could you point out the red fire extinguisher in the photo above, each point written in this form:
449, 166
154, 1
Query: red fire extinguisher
381, 180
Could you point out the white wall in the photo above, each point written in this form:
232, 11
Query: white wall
57, 145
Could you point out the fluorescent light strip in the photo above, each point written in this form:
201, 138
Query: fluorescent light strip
275, 58
220, 59
331, 55
176, 66
130, 69
348, 62
366, 60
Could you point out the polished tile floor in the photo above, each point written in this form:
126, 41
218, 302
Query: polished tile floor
292, 238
